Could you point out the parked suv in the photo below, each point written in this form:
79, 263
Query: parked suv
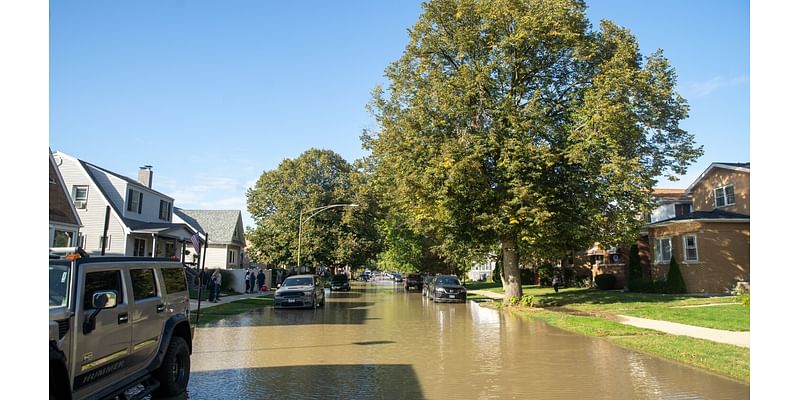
300, 291
413, 282
340, 282
446, 288
116, 323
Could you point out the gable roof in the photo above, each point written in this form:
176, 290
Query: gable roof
62, 209
220, 225
742, 167
716, 215
666, 195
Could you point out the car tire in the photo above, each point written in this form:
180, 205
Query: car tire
173, 374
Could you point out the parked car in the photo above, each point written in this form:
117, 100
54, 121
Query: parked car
340, 282
397, 277
100, 309
413, 282
364, 277
299, 291
446, 288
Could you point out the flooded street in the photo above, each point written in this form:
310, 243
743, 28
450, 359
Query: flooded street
377, 342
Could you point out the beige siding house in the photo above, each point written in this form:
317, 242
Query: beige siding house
225, 233
139, 218
64, 220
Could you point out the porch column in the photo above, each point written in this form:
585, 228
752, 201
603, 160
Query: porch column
155, 237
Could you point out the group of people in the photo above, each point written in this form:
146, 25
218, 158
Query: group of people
254, 282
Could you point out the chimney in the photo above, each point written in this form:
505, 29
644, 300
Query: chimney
146, 176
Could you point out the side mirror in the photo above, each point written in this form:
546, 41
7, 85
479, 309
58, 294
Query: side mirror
100, 301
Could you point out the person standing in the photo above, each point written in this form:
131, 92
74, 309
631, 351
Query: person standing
253, 282
556, 281
247, 286
217, 279
260, 280
212, 287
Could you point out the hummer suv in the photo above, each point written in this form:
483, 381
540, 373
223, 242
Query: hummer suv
118, 324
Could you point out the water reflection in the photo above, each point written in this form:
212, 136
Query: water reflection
386, 343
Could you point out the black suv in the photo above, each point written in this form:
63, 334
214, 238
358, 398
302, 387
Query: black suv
413, 282
117, 323
446, 288
340, 282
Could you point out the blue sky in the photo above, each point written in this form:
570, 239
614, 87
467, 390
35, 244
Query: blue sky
213, 93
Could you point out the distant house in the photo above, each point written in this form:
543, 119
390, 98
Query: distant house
225, 232
64, 220
480, 271
139, 218
712, 242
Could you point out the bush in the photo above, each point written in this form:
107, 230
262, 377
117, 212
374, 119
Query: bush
527, 300
605, 281
545, 273
526, 275
498, 266
642, 285
634, 264
675, 283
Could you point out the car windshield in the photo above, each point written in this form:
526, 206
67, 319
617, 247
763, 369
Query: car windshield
298, 282
340, 278
414, 277
446, 280
59, 277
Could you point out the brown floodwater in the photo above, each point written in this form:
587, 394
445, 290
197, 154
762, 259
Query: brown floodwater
376, 342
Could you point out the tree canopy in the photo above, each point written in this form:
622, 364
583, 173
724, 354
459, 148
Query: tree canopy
513, 123
336, 237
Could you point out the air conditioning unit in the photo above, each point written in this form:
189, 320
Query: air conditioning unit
79, 204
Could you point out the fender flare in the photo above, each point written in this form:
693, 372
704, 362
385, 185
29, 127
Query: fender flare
174, 322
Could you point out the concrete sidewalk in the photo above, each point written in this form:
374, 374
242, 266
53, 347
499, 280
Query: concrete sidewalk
486, 293
741, 339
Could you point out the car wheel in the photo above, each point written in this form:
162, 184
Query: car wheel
173, 374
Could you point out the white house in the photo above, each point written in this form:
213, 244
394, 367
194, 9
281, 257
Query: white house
64, 220
139, 218
482, 270
225, 233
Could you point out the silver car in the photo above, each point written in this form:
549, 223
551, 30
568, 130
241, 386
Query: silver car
300, 291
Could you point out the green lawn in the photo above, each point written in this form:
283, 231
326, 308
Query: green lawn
221, 311
668, 307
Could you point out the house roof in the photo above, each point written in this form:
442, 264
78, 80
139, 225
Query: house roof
715, 215
670, 194
743, 167
220, 225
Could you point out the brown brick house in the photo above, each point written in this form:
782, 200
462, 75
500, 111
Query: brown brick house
712, 242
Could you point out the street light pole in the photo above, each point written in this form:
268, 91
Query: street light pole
315, 212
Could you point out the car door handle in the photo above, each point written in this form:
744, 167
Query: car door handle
160, 308
122, 318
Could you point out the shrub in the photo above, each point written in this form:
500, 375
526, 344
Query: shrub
634, 264
527, 300
545, 273
498, 265
605, 281
526, 275
675, 283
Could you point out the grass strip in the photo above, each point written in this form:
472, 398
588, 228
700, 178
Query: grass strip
723, 359
221, 311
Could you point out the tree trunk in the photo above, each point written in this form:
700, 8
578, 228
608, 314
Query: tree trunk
512, 284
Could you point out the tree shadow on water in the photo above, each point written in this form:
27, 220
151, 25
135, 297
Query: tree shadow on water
366, 381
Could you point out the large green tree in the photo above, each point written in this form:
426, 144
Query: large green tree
512, 122
335, 237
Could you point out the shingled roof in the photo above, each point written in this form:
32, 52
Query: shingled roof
220, 225
716, 215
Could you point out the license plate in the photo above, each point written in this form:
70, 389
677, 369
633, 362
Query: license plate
291, 300
452, 296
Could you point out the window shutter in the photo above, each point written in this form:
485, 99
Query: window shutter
141, 196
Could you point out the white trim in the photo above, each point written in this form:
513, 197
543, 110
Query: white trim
660, 224
712, 166
658, 251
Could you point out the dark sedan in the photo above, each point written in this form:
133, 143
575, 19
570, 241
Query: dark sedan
447, 288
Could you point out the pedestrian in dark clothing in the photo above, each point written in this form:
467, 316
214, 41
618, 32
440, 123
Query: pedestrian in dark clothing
260, 279
556, 282
247, 286
216, 279
252, 282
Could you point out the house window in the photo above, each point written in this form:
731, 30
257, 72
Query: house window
138, 247
79, 196
82, 240
164, 210
135, 201
108, 243
169, 249
663, 250
62, 238
690, 247
724, 196
231, 257
682, 209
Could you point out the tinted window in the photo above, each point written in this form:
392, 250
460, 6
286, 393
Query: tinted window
144, 283
447, 281
340, 278
102, 281
174, 279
